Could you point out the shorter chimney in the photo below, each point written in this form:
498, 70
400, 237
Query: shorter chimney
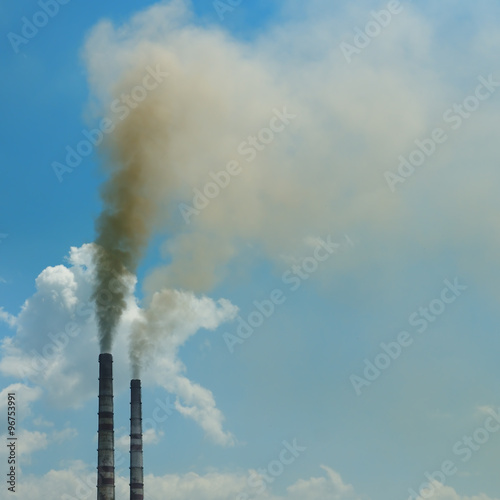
136, 466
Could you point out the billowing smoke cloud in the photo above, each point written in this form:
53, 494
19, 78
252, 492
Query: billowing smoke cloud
262, 147
56, 338
130, 204
157, 334
110, 259
307, 139
178, 314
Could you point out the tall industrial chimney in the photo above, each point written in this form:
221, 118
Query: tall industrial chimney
136, 466
106, 440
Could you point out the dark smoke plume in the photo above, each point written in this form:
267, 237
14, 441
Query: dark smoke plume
124, 226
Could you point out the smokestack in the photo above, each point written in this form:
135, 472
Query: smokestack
136, 467
106, 440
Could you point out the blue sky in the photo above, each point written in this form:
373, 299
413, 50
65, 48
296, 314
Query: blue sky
327, 175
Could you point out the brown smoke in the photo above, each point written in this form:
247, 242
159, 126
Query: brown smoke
321, 176
125, 224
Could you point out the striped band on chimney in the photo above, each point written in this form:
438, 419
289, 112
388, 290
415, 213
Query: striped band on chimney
105, 448
136, 465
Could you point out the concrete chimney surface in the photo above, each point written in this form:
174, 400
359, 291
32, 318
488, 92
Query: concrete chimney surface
106, 442
136, 454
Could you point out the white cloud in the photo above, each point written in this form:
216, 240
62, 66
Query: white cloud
24, 396
212, 486
325, 173
41, 422
198, 403
152, 436
122, 443
55, 342
79, 479
330, 487
324, 176
442, 492
5, 316
27, 443
149, 437
64, 435
55, 346
170, 320
31, 442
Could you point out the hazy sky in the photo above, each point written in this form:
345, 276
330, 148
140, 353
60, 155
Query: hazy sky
312, 203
